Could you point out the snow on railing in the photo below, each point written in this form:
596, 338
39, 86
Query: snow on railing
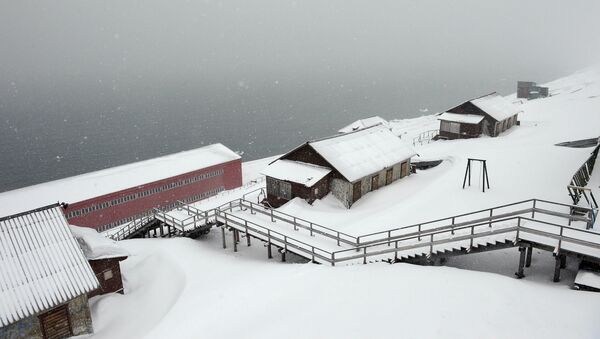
425, 137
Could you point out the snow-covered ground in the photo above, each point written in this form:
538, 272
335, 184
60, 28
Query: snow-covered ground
182, 288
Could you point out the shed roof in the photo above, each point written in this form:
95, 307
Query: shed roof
364, 123
472, 119
98, 183
296, 171
41, 265
496, 106
363, 152
95, 245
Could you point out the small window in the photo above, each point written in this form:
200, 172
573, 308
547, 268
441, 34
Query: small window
108, 275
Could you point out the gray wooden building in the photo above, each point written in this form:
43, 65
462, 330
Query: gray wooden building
346, 165
44, 277
490, 114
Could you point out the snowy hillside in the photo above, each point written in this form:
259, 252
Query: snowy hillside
182, 288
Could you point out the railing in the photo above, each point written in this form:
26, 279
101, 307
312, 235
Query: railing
582, 176
466, 231
272, 237
131, 227
297, 223
251, 183
262, 192
425, 137
551, 231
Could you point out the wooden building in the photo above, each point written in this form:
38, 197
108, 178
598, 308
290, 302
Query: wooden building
114, 196
530, 90
490, 114
364, 123
44, 277
104, 256
347, 165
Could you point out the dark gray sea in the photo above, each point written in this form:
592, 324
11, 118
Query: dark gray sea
50, 131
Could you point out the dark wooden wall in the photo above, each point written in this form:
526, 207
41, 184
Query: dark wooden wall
114, 284
301, 191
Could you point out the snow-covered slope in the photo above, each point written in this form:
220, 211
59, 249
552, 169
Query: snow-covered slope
181, 288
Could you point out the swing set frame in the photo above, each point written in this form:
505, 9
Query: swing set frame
485, 173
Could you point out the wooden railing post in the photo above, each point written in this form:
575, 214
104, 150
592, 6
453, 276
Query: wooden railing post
389, 236
533, 210
295, 226
491, 214
338, 238
332, 258
311, 229
472, 236
364, 255
431, 245
560, 239
419, 236
272, 219
452, 227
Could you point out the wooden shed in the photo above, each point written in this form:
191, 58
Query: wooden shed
490, 114
347, 165
104, 256
45, 278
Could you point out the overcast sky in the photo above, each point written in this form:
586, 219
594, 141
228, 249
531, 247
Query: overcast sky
118, 40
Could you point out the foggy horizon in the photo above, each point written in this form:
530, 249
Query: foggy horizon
89, 85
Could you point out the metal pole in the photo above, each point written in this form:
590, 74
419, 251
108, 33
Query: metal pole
364, 255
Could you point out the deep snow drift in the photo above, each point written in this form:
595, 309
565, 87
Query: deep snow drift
182, 288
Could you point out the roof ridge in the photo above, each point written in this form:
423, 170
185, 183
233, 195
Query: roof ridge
344, 134
39, 209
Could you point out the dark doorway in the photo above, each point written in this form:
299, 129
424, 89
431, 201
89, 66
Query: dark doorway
56, 323
375, 182
356, 191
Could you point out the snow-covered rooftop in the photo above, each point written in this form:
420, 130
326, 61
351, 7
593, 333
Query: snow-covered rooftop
364, 123
41, 265
363, 152
296, 171
472, 119
95, 245
93, 184
496, 106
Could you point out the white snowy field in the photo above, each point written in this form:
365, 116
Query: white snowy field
182, 288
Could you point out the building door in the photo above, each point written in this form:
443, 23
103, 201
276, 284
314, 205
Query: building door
356, 191
404, 169
389, 176
375, 182
56, 323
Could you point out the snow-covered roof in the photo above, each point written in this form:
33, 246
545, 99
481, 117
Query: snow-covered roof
496, 106
296, 171
472, 119
41, 265
95, 245
363, 152
93, 184
364, 123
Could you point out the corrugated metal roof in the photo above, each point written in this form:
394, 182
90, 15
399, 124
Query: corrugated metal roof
41, 265
363, 152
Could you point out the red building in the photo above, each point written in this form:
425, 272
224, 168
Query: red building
110, 197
